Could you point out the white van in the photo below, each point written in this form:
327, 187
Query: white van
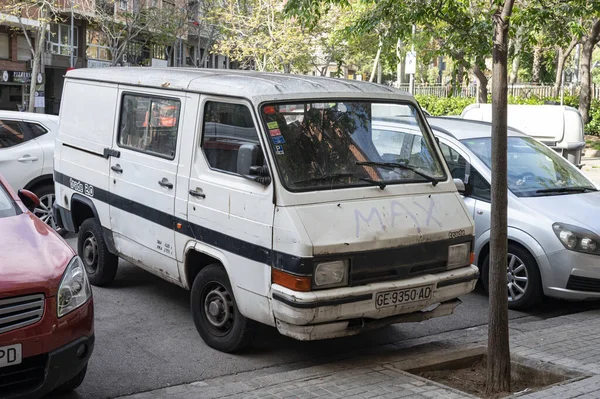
560, 127
264, 195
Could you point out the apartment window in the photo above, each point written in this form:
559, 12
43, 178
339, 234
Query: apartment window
123, 4
159, 52
97, 46
58, 40
23, 49
4, 50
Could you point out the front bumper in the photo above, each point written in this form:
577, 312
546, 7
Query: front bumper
48, 372
562, 266
349, 310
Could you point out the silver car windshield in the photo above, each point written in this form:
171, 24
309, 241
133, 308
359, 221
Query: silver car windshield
333, 144
533, 168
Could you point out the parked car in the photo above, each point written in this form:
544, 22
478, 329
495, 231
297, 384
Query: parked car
553, 212
558, 126
46, 307
265, 198
26, 156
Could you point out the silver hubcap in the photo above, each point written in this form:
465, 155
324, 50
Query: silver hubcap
44, 211
218, 307
90, 253
517, 278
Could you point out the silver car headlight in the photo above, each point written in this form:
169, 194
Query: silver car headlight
74, 289
577, 239
331, 274
459, 255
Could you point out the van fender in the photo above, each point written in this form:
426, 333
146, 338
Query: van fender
250, 304
521, 237
106, 232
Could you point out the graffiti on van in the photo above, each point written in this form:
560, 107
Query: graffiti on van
398, 210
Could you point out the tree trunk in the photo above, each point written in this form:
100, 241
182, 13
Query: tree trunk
37, 58
560, 63
400, 63
482, 91
585, 96
537, 64
514, 74
376, 62
498, 358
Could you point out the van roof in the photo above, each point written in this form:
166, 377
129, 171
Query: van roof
255, 86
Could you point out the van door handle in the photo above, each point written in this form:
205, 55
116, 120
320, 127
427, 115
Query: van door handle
27, 158
196, 193
117, 168
165, 183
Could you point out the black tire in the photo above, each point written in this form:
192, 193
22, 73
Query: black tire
73, 383
46, 195
236, 331
533, 292
100, 264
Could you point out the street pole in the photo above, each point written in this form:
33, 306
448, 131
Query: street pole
71, 41
411, 82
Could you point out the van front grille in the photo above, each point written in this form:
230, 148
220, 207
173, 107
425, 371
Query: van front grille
22, 311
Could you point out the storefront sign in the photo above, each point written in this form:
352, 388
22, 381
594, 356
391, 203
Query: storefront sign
98, 64
21, 77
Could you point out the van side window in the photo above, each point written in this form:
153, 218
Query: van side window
11, 134
149, 125
230, 140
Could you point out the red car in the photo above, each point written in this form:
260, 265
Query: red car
46, 306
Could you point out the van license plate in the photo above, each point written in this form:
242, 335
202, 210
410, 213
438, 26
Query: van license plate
10, 355
400, 297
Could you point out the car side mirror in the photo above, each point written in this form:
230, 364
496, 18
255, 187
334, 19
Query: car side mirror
29, 199
460, 186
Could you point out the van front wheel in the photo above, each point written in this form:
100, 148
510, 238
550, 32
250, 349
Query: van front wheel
216, 315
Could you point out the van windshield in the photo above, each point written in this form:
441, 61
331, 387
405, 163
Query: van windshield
327, 145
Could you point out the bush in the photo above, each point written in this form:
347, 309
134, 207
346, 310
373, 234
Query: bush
441, 106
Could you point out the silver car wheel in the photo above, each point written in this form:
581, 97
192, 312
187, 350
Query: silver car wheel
517, 278
44, 211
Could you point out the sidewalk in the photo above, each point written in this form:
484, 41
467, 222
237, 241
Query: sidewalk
571, 341
592, 169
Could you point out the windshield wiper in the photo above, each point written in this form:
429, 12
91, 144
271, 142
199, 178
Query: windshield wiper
394, 165
566, 190
380, 184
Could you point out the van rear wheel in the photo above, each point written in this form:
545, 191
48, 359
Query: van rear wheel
216, 315
100, 265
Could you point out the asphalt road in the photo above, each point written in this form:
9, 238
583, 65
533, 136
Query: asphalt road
146, 339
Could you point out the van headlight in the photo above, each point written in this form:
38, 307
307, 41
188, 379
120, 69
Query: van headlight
331, 274
74, 289
459, 255
577, 239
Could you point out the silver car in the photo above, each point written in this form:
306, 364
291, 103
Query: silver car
553, 212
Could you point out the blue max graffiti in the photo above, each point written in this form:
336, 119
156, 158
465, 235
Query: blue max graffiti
398, 210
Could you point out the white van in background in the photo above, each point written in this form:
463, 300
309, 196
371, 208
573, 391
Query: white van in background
560, 127
265, 195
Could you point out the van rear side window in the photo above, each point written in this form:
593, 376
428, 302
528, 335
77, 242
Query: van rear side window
149, 125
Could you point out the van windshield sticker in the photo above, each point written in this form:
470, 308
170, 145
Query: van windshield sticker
275, 132
273, 125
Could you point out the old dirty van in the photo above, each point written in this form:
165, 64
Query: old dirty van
274, 198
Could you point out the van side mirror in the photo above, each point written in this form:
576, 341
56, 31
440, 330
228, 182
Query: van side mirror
460, 186
29, 199
247, 167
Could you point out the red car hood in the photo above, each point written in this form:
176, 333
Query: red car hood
32, 256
